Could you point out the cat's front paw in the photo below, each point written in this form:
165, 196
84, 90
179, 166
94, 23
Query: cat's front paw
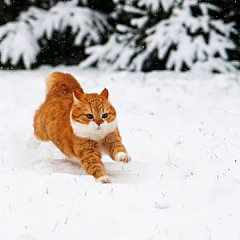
123, 157
104, 179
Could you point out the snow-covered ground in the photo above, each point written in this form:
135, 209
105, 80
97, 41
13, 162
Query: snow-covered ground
183, 133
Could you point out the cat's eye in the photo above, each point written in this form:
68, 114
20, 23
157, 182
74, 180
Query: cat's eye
105, 115
89, 116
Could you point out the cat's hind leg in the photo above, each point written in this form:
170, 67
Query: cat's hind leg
33, 143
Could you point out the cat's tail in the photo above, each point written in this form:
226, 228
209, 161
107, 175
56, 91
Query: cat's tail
59, 82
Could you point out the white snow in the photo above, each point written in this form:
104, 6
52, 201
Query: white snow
183, 134
8, 2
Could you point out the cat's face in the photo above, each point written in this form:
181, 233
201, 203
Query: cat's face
92, 115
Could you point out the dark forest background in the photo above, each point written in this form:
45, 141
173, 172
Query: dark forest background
61, 49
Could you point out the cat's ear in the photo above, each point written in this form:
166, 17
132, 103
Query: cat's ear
104, 93
77, 96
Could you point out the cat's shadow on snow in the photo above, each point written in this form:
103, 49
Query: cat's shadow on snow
119, 172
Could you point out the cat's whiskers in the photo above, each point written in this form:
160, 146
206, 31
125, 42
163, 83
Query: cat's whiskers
93, 131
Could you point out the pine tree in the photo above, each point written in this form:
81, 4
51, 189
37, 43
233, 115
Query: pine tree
230, 12
176, 35
55, 35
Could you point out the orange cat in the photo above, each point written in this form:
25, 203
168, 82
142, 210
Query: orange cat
81, 125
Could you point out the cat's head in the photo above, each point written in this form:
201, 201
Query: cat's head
92, 115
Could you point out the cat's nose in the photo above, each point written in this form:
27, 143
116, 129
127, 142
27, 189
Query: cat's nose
99, 122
